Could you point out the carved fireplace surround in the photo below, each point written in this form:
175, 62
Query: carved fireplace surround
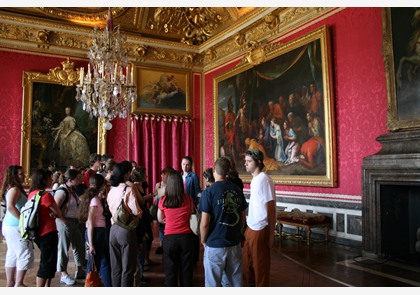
391, 178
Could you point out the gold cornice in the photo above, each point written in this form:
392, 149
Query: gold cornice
52, 38
95, 18
252, 17
297, 18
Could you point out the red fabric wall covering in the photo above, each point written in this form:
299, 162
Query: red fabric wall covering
360, 94
197, 146
11, 93
118, 140
359, 86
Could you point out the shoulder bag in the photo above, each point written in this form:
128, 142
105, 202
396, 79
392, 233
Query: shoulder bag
195, 222
92, 278
123, 216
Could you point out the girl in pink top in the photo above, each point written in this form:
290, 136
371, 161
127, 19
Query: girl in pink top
96, 236
174, 209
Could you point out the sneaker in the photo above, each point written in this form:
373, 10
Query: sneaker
68, 280
159, 251
80, 275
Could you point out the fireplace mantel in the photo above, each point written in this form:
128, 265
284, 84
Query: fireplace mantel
397, 163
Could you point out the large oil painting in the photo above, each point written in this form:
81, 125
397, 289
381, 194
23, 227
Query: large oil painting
283, 107
56, 131
401, 46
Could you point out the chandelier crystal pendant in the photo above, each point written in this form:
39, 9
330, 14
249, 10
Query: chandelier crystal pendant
107, 90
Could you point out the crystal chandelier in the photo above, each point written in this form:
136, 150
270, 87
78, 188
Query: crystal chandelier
107, 89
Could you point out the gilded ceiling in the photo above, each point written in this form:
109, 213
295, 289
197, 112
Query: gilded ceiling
194, 37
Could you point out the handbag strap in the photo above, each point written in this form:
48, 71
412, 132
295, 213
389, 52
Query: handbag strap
123, 198
92, 263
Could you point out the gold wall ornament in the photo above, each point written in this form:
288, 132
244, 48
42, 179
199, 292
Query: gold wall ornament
44, 36
256, 55
141, 50
294, 13
271, 21
240, 39
209, 55
188, 59
66, 76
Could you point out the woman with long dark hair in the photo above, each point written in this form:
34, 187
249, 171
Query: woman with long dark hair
20, 254
174, 209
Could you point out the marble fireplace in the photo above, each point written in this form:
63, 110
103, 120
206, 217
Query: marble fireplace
391, 198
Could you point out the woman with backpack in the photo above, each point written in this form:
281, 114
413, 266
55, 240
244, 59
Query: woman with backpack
47, 237
70, 234
20, 253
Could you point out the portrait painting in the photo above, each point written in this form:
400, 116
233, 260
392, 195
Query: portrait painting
283, 107
401, 46
56, 131
162, 91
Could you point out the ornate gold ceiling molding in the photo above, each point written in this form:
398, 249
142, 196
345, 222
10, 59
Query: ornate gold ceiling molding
262, 25
265, 30
86, 15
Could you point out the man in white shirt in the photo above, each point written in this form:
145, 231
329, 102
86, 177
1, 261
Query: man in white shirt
261, 219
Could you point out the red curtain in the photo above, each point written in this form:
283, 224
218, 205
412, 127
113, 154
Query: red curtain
158, 141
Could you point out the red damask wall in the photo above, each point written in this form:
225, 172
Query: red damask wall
359, 86
360, 94
11, 92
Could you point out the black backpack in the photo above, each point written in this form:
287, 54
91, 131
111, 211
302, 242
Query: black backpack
67, 195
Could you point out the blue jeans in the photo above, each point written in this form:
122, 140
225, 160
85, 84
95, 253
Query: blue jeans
223, 263
101, 244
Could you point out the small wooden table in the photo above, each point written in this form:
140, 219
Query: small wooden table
303, 220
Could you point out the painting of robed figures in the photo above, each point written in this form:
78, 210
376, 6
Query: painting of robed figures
282, 107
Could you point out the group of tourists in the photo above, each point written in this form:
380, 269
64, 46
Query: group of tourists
79, 213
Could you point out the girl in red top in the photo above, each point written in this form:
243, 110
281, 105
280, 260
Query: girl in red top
174, 210
46, 238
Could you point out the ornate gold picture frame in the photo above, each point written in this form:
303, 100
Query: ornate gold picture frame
401, 39
163, 91
251, 106
56, 131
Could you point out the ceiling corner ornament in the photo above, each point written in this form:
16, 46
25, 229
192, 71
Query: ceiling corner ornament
209, 55
66, 76
196, 23
188, 59
256, 53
